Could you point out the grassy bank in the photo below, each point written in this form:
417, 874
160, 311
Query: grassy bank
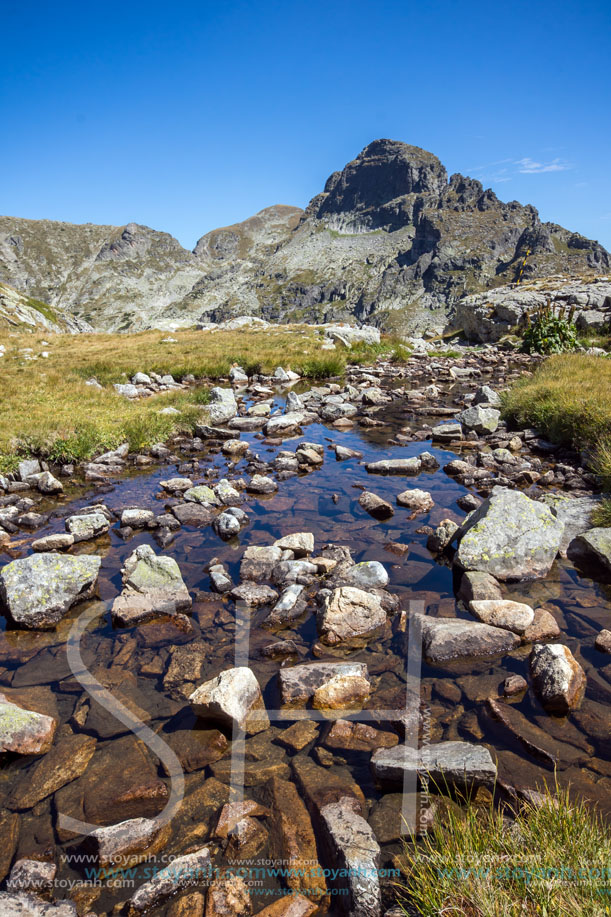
47, 409
551, 861
568, 398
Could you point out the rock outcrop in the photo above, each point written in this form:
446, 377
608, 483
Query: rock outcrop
391, 241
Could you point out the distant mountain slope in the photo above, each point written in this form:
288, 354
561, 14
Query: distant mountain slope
22, 313
391, 240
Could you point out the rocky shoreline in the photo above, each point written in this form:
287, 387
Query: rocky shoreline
461, 536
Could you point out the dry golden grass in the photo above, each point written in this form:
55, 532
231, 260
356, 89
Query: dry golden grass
46, 408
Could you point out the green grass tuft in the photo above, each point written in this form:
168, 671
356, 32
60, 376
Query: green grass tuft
552, 860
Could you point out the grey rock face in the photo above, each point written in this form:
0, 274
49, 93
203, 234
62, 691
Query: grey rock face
37, 591
370, 574
23, 904
558, 679
223, 405
510, 536
354, 850
233, 698
458, 764
447, 639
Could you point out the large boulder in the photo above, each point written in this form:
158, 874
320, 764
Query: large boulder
223, 405
37, 591
481, 418
510, 536
558, 679
152, 585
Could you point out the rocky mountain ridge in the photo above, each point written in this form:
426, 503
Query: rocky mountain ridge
391, 241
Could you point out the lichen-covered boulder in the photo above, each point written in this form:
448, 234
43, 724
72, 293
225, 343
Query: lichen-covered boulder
152, 585
509, 536
24, 732
37, 591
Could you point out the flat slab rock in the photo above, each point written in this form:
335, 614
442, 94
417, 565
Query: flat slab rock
510, 536
37, 591
353, 849
459, 763
299, 683
448, 639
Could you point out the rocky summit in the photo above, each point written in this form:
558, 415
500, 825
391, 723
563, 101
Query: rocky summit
391, 241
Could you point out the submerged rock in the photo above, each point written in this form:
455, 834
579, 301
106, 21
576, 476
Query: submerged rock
375, 506
37, 591
510, 536
232, 698
128, 842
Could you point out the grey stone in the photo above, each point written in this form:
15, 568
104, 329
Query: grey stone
299, 683
514, 616
448, 639
458, 764
234, 699
152, 585
37, 591
300, 543
510, 536
395, 466
375, 506
369, 574
480, 418
349, 614
137, 518
190, 870
594, 545
87, 526
354, 851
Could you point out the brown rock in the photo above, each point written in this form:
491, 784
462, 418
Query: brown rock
358, 737
64, 763
298, 735
292, 839
228, 897
543, 627
603, 641
342, 692
289, 906
233, 812
9, 832
375, 506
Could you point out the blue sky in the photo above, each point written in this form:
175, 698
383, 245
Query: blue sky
191, 115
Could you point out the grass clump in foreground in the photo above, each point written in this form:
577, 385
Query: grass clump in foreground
553, 860
46, 409
568, 398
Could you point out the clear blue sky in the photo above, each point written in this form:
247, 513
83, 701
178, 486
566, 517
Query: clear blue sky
191, 115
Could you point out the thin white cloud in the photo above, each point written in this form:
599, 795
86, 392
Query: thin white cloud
528, 166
